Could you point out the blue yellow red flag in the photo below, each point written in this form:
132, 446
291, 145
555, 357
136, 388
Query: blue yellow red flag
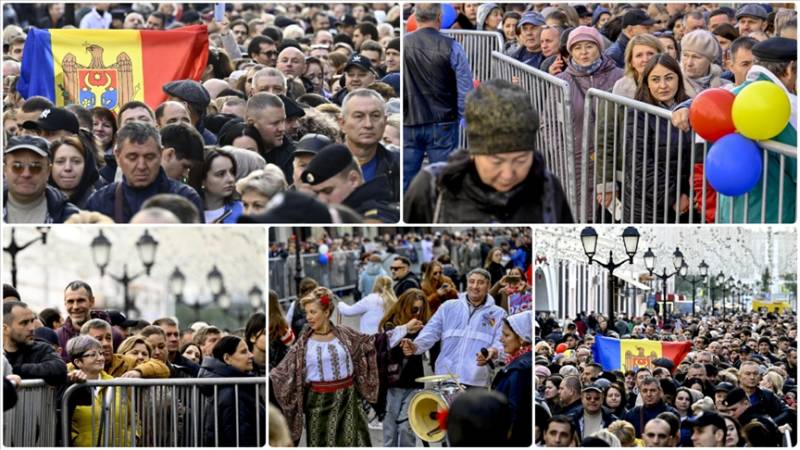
627, 354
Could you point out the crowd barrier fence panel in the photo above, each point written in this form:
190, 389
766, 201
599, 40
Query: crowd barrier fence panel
479, 46
158, 412
550, 97
614, 138
339, 274
32, 421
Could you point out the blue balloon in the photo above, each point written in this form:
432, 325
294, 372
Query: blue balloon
449, 15
734, 165
323, 259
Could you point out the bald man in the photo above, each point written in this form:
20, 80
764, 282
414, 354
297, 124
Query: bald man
291, 62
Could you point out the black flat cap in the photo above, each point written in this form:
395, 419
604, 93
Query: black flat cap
776, 49
54, 119
636, 17
311, 144
752, 10
734, 396
189, 91
330, 161
292, 108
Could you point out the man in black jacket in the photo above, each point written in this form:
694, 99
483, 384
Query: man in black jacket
29, 359
404, 278
363, 122
267, 114
652, 405
762, 401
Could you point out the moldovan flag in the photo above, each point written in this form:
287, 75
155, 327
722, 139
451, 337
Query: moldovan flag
110, 67
625, 354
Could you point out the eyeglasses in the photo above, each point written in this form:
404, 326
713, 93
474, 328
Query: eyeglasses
396, 268
35, 168
270, 54
91, 355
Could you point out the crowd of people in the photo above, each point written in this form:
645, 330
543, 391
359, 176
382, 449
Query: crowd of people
91, 344
663, 55
461, 307
737, 387
294, 119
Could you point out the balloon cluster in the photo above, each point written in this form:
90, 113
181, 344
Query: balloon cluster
733, 123
449, 16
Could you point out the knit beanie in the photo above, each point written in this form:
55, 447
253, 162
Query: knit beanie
701, 42
584, 33
500, 119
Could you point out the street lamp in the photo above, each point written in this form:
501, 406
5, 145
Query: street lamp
630, 238
177, 281
146, 247
694, 280
13, 249
650, 263
256, 296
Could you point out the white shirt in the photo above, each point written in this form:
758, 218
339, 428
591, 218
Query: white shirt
93, 20
213, 214
372, 311
327, 361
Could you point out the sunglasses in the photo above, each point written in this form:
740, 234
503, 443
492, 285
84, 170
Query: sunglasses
18, 168
416, 310
396, 268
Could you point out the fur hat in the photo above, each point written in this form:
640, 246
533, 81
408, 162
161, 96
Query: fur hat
500, 119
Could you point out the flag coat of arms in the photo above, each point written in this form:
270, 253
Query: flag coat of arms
109, 68
627, 354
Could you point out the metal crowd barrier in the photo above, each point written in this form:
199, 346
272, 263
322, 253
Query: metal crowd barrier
340, 273
550, 96
32, 421
158, 412
479, 46
612, 138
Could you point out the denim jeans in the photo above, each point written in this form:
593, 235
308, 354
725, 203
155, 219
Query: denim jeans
396, 428
437, 139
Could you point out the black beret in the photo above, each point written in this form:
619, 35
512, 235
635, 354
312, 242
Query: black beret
776, 49
189, 91
291, 107
330, 161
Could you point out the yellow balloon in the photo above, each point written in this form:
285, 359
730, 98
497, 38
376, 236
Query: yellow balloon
761, 110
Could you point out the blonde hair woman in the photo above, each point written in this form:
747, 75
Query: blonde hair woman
637, 54
774, 382
137, 347
372, 307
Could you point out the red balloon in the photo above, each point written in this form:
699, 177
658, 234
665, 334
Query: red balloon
411, 24
561, 348
710, 114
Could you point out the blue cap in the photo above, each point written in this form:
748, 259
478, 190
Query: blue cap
533, 18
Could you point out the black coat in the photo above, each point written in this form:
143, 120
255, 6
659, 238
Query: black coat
463, 198
410, 281
515, 381
389, 165
282, 157
373, 200
655, 174
640, 415
39, 360
226, 408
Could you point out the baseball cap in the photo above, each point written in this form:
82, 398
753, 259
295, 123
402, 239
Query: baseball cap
54, 119
593, 387
707, 418
35, 144
360, 62
636, 17
532, 18
723, 387
311, 144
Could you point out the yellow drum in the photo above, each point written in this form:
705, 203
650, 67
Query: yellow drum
423, 411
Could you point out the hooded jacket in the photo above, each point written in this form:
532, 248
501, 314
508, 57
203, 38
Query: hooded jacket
462, 197
463, 331
251, 408
58, 206
103, 201
579, 83
367, 279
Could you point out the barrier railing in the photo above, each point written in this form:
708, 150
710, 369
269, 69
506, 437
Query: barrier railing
479, 46
643, 170
550, 97
32, 421
340, 272
163, 412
